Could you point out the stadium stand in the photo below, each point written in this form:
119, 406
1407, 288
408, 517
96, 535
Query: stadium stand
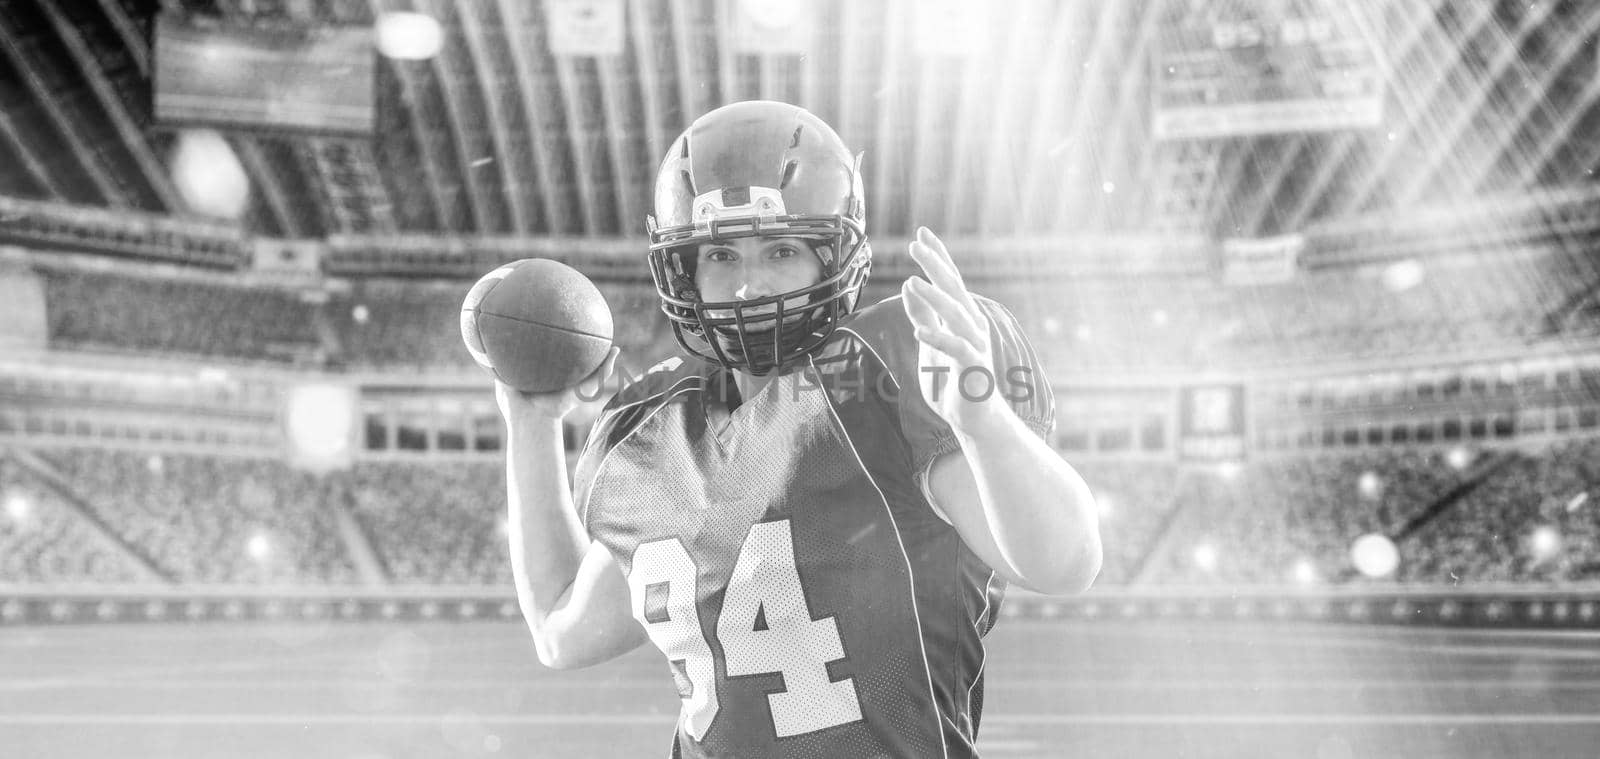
1494, 534
439, 523
104, 312
42, 541
399, 325
1260, 525
1135, 499
215, 520
396, 324
435, 524
1441, 305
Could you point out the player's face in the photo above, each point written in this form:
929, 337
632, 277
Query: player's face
749, 268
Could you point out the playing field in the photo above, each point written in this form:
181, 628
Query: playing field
1069, 689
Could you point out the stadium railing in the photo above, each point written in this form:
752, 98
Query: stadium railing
1504, 607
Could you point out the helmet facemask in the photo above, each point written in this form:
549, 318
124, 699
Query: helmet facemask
774, 332
758, 169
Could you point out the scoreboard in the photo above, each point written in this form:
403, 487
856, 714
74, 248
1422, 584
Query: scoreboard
214, 73
1211, 423
1245, 67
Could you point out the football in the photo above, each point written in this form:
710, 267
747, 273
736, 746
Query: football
537, 325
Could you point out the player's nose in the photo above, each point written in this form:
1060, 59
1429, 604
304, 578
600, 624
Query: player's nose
756, 282
751, 291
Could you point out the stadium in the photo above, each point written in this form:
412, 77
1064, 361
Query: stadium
1312, 281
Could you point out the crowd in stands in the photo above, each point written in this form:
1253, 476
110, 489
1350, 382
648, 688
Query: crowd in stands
1135, 500
1274, 520
214, 520
209, 520
1506, 516
417, 325
1435, 306
1541, 525
100, 311
437, 524
1258, 523
1078, 325
43, 542
399, 325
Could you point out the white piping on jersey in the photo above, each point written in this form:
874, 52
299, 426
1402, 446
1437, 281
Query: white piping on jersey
916, 613
927, 495
664, 395
983, 651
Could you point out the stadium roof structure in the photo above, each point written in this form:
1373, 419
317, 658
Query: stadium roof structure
1045, 130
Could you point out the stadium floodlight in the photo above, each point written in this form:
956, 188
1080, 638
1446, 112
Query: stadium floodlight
1401, 276
259, 547
1083, 333
1305, 572
18, 507
320, 424
1458, 458
1105, 503
1205, 557
1577, 501
1374, 555
1159, 317
1229, 470
208, 174
1370, 485
408, 36
359, 314
1545, 542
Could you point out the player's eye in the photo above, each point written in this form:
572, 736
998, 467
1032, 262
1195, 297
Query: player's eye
720, 254
785, 251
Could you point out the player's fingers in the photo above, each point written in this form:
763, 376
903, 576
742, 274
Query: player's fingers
941, 254
591, 385
610, 364
938, 271
928, 238
964, 295
925, 322
950, 344
918, 310
930, 254
951, 311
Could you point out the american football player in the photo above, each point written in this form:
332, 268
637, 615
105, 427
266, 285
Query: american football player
815, 512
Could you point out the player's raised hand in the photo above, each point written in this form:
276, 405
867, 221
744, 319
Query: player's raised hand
952, 332
516, 405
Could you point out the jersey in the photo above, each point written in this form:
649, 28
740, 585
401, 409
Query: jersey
785, 556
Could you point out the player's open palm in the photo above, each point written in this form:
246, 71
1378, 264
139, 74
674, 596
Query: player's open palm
952, 334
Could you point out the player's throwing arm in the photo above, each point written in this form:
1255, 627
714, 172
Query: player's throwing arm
543, 331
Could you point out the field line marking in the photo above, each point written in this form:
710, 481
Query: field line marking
1295, 719
1015, 720
665, 685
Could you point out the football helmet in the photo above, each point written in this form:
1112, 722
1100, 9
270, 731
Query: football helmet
758, 169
